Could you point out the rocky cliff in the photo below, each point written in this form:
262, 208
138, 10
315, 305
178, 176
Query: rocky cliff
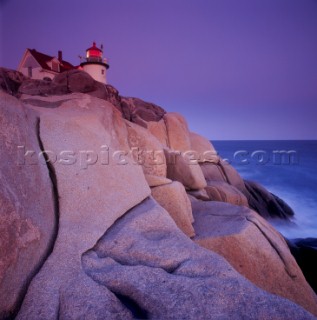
111, 208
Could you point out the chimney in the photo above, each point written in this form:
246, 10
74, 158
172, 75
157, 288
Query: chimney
60, 55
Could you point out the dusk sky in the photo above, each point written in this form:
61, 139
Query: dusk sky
236, 69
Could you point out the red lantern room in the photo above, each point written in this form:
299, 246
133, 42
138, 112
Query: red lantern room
93, 53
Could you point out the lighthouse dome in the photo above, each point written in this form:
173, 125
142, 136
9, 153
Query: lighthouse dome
94, 52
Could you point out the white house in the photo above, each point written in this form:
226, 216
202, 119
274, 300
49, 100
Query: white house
37, 65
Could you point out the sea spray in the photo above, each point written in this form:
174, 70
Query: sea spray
293, 178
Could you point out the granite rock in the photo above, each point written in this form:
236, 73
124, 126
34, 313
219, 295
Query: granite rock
36, 87
134, 108
28, 203
180, 169
90, 130
212, 172
265, 203
222, 191
147, 260
204, 150
177, 132
158, 129
174, 200
155, 181
75, 81
254, 248
199, 194
82, 237
147, 151
232, 176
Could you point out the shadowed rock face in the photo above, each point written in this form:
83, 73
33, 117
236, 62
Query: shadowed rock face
140, 112
265, 203
144, 258
305, 253
77, 81
11, 80
42, 88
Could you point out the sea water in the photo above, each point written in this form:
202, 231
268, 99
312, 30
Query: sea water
287, 168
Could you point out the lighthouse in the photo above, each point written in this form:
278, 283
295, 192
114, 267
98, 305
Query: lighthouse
95, 64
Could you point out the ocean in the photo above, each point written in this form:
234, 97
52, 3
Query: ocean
287, 168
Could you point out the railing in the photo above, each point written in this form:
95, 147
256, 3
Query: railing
93, 59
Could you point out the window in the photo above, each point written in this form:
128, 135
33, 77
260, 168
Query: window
102, 71
30, 72
55, 66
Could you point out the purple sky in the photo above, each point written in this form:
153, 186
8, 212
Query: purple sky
236, 69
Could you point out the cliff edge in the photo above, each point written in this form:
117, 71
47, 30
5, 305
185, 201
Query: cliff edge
111, 208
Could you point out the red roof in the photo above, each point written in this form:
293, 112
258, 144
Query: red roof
94, 47
43, 60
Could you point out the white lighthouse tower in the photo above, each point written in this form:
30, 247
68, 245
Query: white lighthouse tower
95, 64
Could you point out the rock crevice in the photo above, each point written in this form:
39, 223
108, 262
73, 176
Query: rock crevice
55, 197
